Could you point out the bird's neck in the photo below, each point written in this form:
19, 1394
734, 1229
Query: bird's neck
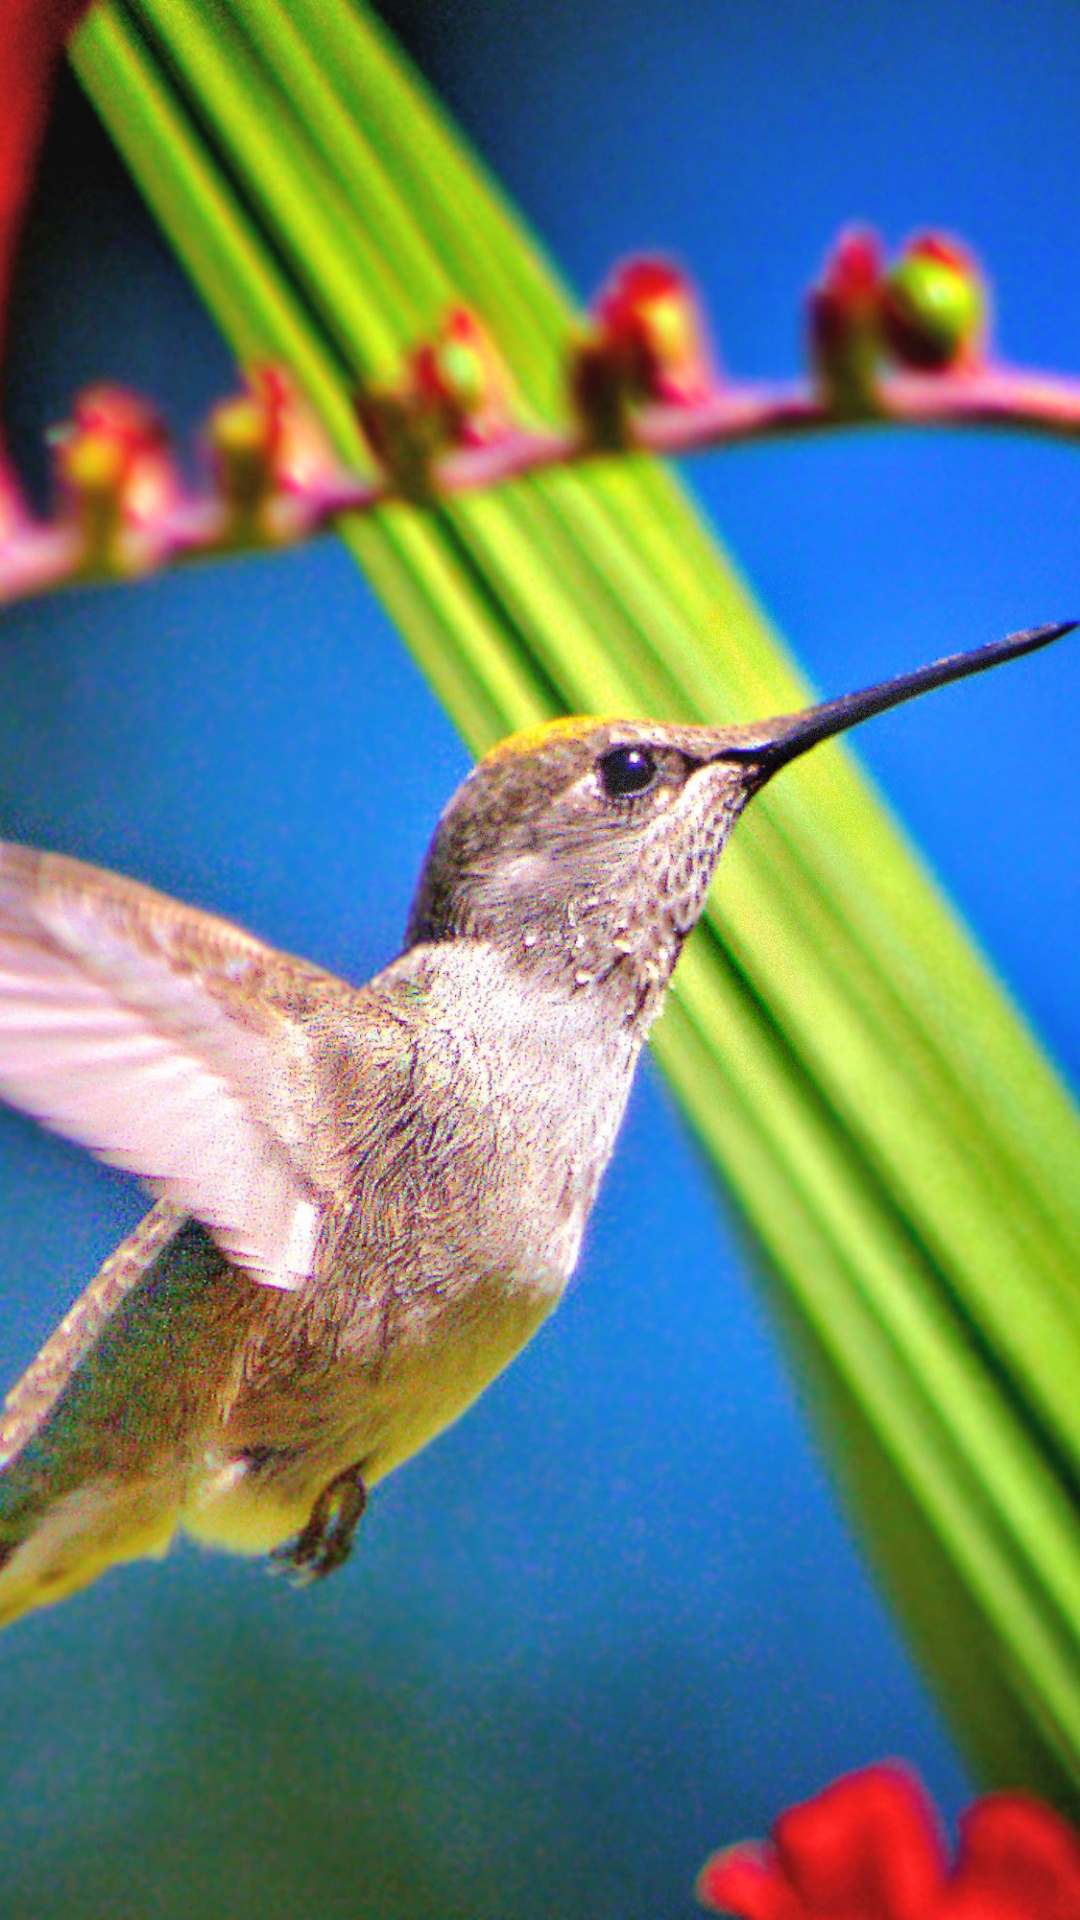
518, 994
551, 1055
593, 950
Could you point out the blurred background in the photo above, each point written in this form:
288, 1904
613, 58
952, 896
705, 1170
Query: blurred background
615, 1618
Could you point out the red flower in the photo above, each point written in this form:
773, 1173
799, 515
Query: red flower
871, 1848
32, 36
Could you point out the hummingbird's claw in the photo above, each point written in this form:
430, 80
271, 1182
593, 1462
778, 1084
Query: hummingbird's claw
326, 1541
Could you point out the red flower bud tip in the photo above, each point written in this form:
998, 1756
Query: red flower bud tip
843, 322
650, 318
870, 1848
116, 478
459, 378
934, 306
872, 1836
852, 276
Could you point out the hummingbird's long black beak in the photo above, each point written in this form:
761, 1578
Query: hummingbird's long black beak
773, 743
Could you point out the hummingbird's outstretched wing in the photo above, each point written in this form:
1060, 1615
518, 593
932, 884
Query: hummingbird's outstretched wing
166, 1041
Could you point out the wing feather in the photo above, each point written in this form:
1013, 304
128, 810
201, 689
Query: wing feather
169, 1043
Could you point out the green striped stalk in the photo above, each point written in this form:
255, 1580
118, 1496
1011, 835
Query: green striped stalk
908, 1163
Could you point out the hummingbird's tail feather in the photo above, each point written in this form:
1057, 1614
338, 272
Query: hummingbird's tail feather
77, 1537
98, 1438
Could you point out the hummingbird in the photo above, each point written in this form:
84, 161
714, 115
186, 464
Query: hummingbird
367, 1199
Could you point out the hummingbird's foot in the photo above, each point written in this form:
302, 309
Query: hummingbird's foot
326, 1542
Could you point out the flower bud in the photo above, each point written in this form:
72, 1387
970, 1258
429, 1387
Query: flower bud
934, 306
269, 456
459, 378
300, 452
151, 485
243, 438
116, 476
650, 319
843, 322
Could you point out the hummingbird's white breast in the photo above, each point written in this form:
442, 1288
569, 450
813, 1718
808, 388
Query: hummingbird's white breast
473, 1178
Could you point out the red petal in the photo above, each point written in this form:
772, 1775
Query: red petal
854, 267
1016, 1850
747, 1882
980, 1903
871, 1841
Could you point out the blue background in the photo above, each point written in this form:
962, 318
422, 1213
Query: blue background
614, 1618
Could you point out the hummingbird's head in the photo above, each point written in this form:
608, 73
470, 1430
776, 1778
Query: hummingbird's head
584, 848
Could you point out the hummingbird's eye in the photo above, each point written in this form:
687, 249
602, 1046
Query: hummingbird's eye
626, 771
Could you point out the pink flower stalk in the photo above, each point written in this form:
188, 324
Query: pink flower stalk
870, 1847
